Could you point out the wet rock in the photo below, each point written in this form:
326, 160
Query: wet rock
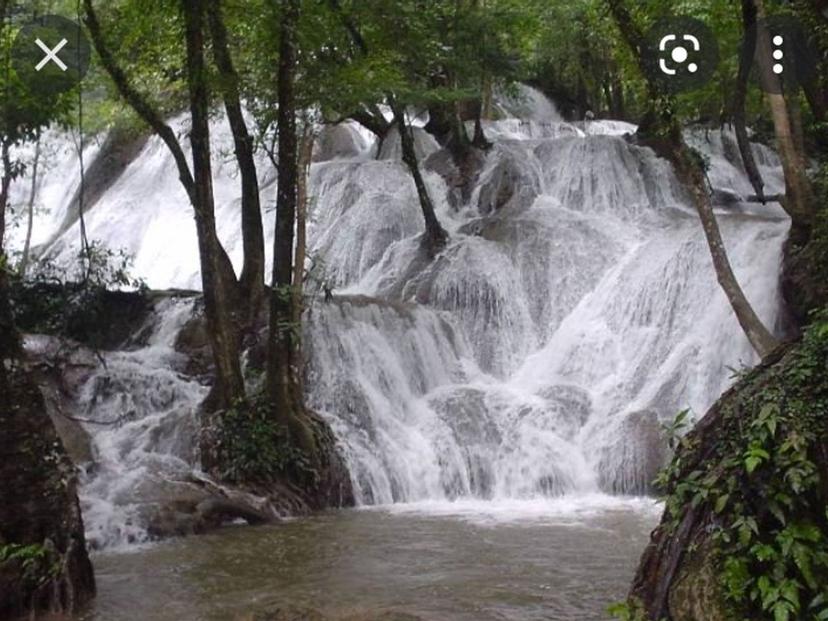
338, 141
460, 176
424, 145
573, 406
76, 440
696, 593
194, 342
630, 463
726, 197
193, 511
61, 367
120, 147
503, 186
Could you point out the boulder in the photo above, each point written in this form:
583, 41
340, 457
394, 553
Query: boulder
631, 463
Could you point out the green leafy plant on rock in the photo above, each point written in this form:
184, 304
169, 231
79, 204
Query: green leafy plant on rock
251, 446
763, 487
37, 563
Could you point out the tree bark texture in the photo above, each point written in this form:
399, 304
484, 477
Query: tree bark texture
253, 269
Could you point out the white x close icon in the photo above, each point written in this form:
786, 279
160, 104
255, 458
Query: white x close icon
51, 55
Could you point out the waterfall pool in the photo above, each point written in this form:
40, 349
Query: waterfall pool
563, 559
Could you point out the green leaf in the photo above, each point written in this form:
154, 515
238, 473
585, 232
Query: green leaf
782, 611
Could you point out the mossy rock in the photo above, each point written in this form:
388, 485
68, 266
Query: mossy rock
745, 518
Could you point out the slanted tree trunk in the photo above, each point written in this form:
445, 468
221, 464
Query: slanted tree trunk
435, 235
799, 200
217, 275
30, 208
748, 53
661, 131
694, 180
253, 269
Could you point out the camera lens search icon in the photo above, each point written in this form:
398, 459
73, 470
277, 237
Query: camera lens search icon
682, 54
678, 54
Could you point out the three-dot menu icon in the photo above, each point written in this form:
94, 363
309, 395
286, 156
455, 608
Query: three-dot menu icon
783, 58
778, 54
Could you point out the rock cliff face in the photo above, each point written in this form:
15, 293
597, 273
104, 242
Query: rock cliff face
43, 560
752, 475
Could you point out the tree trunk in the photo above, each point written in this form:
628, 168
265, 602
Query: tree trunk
24, 259
217, 275
435, 236
282, 372
748, 53
618, 108
305, 159
694, 180
662, 131
799, 197
5, 184
217, 302
9, 344
253, 270
487, 97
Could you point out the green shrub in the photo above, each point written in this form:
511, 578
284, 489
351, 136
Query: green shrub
251, 445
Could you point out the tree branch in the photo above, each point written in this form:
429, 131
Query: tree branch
137, 100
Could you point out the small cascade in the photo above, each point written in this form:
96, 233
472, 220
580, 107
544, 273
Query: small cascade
144, 432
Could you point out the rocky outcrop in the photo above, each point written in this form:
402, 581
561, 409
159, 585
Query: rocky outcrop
44, 564
724, 485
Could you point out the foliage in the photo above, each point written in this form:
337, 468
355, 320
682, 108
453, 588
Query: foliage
764, 486
631, 610
676, 428
251, 446
35, 560
72, 301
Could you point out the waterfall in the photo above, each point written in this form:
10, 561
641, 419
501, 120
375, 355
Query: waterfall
574, 310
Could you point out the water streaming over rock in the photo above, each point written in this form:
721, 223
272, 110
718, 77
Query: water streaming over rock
574, 309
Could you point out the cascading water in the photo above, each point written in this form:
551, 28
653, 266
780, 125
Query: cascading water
574, 309
144, 431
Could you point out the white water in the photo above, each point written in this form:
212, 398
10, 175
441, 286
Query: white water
534, 357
